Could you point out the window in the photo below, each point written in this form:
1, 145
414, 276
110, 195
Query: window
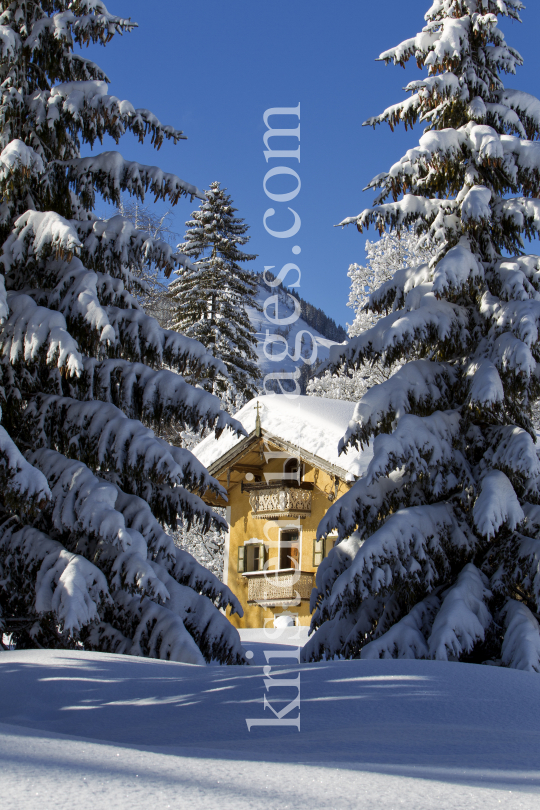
289, 549
250, 558
322, 548
318, 552
292, 470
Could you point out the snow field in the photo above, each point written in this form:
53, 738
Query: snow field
106, 731
268, 361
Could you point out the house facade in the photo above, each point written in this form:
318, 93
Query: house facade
280, 481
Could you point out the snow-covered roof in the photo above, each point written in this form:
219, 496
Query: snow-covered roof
313, 424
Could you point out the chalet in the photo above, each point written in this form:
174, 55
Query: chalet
280, 481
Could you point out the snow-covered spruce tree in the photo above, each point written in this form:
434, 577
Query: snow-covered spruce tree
445, 559
385, 257
210, 299
86, 484
390, 253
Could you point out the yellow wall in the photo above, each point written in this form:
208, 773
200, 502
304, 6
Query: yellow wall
243, 526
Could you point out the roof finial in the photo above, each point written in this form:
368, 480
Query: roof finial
257, 420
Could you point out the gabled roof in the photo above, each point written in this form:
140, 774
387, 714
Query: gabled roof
313, 425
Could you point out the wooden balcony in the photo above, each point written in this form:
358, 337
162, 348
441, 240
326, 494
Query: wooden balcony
271, 589
279, 500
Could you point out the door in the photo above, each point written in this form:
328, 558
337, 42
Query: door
289, 549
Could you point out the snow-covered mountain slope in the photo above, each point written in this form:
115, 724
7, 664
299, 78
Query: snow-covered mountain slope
98, 732
300, 339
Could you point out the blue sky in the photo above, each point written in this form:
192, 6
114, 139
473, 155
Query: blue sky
213, 68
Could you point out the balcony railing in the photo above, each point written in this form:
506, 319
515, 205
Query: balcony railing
279, 500
273, 589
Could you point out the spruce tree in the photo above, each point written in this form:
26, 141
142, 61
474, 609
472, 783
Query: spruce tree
440, 549
210, 299
87, 486
385, 257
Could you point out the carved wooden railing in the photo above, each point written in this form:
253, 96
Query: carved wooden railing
279, 501
270, 588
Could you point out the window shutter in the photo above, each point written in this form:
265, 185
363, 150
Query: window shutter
241, 559
318, 552
261, 558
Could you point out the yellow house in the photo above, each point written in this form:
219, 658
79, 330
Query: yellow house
280, 481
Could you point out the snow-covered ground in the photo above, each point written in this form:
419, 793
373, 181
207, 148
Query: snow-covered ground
89, 730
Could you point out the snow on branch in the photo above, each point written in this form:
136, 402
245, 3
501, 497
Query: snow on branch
522, 318
66, 584
116, 241
23, 486
329, 639
510, 354
391, 294
502, 118
345, 634
338, 560
75, 295
100, 434
32, 331
406, 111
155, 396
513, 451
4, 309
211, 629
141, 338
37, 235
424, 448
18, 156
527, 566
410, 549
521, 643
362, 506
496, 505
10, 43
88, 21
517, 278
459, 267
84, 506
181, 565
463, 618
481, 147
486, 389
401, 214
394, 335
418, 387
81, 503
519, 213
72, 588
109, 174
446, 39
527, 108
162, 634
87, 104
406, 638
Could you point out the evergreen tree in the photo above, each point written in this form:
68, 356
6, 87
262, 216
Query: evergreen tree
385, 257
444, 562
86, 484
210, 299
